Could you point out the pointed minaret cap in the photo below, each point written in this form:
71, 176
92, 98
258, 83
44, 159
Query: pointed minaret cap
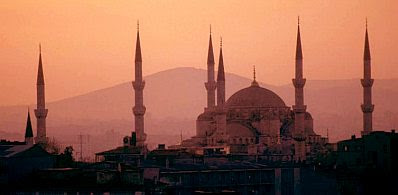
210, 55
221, 74
28, 130
40, 75
366, 52
138, 57
254, 82
299, 53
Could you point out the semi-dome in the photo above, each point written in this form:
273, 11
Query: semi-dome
255, 96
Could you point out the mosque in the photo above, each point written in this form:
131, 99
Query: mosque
254, 120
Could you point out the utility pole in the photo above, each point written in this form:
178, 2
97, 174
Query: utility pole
81, 147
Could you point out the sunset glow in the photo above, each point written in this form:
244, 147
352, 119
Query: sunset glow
88, 45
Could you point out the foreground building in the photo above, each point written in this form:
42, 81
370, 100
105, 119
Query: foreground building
18, 160
377, 149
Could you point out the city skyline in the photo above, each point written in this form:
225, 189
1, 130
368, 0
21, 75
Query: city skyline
108, 59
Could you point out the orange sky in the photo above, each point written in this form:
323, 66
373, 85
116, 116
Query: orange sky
89, 45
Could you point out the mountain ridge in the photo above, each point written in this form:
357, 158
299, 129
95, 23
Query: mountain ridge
176, 96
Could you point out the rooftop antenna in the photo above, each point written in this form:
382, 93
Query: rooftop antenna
327, 133
81, 146
181, 136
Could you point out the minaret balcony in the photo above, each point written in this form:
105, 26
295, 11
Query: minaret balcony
41, 113
367, 108
367, 82
138, 85
298, 83
212, 85
299, 137
299, 108
220, 109
139, 110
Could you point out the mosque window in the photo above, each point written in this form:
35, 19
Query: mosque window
240, 140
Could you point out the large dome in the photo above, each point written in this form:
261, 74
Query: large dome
255, 96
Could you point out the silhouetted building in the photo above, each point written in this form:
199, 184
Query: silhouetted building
18, 160
378, 149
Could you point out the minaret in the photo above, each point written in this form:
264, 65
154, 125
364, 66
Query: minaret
41, 111
221, 116
138, 84
28, 131
367, 82
210, 84
220, 80
299, 108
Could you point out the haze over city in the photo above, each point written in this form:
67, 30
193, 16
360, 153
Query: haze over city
89, 45
199, 97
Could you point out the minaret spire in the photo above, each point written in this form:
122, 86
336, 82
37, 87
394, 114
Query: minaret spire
138, 57
367, 83
40, 75
299, 52
210, 84
41, 111
138, 84
299, 108
28, 131
220, 79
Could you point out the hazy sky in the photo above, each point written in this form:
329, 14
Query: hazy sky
89, 45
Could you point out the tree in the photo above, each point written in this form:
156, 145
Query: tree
51, 146
66, 158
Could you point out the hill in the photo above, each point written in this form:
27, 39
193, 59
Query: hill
175, 97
